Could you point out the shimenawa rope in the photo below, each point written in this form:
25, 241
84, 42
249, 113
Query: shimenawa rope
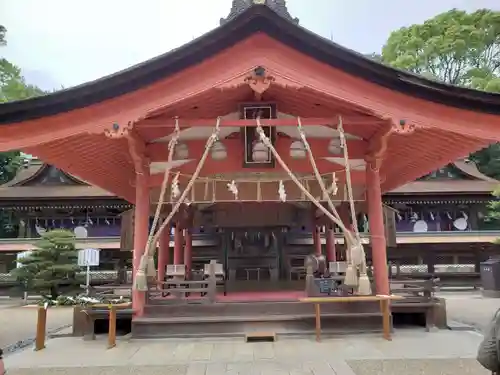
140, 282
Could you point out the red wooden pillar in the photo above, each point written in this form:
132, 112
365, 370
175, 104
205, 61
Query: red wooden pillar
330, 244
317, 240
178, 244
377, 232
163, 253
141, 224
316, 235
345, 216
188, 249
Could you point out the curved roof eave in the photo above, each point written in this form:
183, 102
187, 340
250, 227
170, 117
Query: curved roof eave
257, 18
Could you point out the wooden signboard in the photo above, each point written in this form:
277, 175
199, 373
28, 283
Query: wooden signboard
390, 226
325, 286
127, 231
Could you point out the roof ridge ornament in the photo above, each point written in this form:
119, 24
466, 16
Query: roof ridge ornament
240, 6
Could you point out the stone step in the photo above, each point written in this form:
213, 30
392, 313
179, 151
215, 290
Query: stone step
256, 308
240, 326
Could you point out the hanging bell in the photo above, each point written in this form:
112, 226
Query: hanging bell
260, 153
335, 146
297, 150
181, 151
219, 151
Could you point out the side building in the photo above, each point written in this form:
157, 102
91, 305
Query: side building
441, 219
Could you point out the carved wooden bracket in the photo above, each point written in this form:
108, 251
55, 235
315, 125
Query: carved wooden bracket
379, 141
259, 80
119, 131
403, 128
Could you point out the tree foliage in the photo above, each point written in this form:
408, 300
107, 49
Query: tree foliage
12, 87
455, 47
3, 31
458, 48
12, 84
51, 265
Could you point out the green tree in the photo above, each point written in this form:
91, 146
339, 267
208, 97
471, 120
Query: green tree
458, 48
12, 84
493, 217
3, 30
12, 87
52, 265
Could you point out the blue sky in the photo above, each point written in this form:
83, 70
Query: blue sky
61, 42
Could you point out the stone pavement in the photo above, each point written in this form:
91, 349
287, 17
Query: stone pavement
470, 308
19, 323
412, 352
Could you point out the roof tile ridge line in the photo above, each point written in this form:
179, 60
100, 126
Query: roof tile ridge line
76, 179
470, 169
36, 172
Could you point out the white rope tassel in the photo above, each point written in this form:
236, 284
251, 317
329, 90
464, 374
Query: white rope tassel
282, 191
151, 250
357, 252
175, 192
334, 188
233, 188
146, 267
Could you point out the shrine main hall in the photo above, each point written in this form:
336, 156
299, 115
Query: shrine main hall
248, 126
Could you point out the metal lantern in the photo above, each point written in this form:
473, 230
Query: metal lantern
219, 151
260, 153
297, 150
181, 151
335, 146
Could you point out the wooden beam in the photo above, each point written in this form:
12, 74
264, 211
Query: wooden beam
234, 160
213, 168
319, 146
210, 122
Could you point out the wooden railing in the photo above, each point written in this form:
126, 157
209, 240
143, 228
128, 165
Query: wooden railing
178, 289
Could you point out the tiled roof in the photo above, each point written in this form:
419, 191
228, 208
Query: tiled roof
278, 6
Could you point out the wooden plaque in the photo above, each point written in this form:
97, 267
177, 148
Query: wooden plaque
390, 226
127, 231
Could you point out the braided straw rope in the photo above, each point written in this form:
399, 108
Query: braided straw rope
171, 149
301, 187
146, 260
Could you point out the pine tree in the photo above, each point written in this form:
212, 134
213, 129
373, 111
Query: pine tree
494, 210
52, 265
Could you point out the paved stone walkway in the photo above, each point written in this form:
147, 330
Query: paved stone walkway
470, 308
412, 352
19, 323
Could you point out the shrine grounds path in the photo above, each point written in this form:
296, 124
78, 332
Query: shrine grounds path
18, 324
412, 352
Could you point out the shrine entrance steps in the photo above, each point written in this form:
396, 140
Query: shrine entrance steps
241, 319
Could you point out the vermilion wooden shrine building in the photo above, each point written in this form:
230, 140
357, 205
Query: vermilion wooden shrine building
258, 63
